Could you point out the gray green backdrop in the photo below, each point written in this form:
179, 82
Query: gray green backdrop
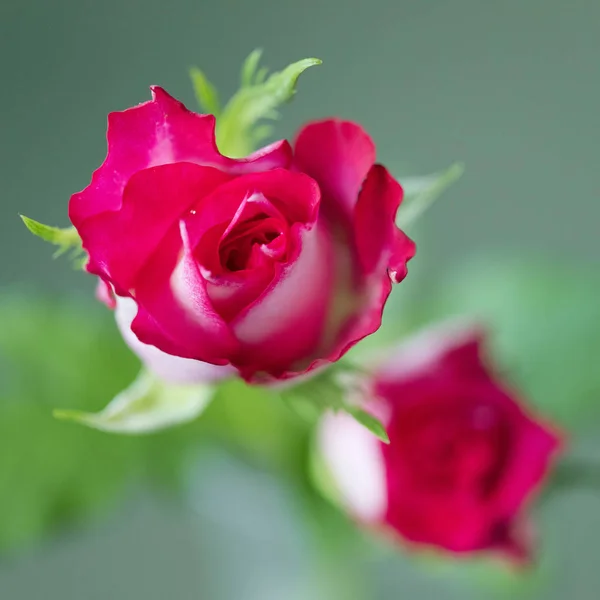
510, 87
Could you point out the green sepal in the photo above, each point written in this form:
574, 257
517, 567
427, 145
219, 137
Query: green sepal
65, 238
367, 420
248, 75
147, 405
206, 93
258, 98
421, 192
329, 390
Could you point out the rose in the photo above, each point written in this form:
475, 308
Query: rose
464, 455
274, 264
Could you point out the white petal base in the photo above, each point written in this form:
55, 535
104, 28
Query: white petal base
167, 367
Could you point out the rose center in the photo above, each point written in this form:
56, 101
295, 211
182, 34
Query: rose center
248, 244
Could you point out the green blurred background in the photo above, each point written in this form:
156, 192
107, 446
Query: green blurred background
221, 508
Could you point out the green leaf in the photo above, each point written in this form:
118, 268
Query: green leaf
421, 192
206, 93
65, 238
370, 422
146, 406
257, 99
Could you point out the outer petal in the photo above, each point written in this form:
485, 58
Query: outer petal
382, 248
159, 132
448, 349
436, 521
166, 366
105, 294
377, 252
120, 242
175, 314
338, 154
534, 449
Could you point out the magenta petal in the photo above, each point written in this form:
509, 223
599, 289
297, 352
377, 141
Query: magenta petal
294, 195
281, 331
166, 366
381, 246
105, 294
120, 242
159, 132
523, 477
383, 251
231, 294
175, 313
338, 155
451, 349
232, 291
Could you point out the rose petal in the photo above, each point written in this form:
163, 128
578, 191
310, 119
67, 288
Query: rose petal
166, 366
159, 132
382, 252
232, 291
536, 442
382, 248
449, 348
175, 313
105, 294
120, 242
294, 195
338, 155
282, 329
353, 457
457, 526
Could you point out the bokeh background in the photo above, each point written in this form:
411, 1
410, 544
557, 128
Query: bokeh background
221, 508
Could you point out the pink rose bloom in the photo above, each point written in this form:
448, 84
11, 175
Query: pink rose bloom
465, 456
273, 264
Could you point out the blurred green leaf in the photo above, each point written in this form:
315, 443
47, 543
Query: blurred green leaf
147, 405
258, 424
257, 99
249, 68
52, 473
421, 192
206, 93
69, 353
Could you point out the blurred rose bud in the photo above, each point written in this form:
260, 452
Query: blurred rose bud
465, 454
272, 264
